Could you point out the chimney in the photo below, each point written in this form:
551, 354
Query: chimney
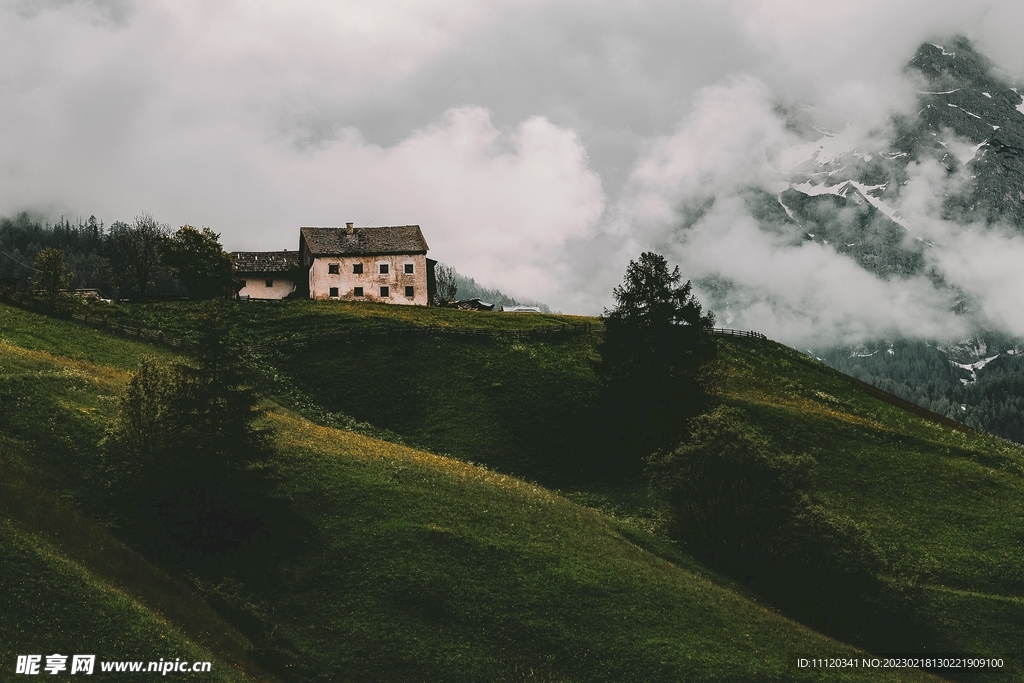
349, 229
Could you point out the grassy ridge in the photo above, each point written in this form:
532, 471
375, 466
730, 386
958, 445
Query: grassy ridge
945, 504
422, 567
439, 570
264, 321
51, 605
520, 406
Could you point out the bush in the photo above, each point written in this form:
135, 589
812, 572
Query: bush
738, 504
732, 498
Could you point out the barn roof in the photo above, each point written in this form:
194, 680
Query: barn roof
264, 261
394, 239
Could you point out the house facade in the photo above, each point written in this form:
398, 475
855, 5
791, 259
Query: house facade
385, 264
266, 274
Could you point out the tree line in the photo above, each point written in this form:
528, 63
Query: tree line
125, 260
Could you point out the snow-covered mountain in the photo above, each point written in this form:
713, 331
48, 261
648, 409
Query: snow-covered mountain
845, 189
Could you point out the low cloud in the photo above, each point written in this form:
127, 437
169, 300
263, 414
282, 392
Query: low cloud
541, 145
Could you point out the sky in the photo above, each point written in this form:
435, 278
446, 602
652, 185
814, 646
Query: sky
539, 145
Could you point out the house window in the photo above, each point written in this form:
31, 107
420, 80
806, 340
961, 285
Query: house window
383, 269
332, 269
357, 268
408, 292
357, 291
385, 292
409, 269
268, 283
334, 292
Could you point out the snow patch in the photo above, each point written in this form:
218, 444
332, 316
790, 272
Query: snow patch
974, 367
788, 212
972, 152
843, 189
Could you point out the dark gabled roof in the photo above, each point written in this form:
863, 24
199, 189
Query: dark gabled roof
264, 261
395, 239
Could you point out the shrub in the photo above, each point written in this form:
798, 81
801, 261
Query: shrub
738, 504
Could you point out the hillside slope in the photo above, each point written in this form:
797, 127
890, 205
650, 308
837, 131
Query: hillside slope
420, 567
942, 501
66, 585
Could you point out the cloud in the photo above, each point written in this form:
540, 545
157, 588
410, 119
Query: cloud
540, 144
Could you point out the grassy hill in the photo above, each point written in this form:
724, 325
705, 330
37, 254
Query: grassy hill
66, 584
943, 502
420, 567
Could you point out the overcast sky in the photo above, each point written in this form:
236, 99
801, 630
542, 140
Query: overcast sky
540, 145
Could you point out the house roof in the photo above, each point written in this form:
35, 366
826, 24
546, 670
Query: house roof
394, 239
264, 261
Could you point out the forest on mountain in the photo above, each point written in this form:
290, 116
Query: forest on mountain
988, 396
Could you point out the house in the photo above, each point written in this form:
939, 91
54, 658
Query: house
385, 264
266, 274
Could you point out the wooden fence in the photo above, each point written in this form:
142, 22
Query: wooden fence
722, 331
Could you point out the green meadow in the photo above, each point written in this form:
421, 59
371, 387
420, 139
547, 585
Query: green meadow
419, 565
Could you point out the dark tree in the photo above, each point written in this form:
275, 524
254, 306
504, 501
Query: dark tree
186, 462
739, 504
198, 259
51, 275
136, 250
655, 359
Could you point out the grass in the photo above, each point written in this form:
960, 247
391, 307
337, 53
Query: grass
52, 605
280, 321
69, 587
420, 567
520, 406
434, 569
945, 504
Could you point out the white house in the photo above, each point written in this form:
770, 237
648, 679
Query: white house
385, 264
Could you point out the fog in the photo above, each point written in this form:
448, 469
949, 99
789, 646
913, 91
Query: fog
540, 145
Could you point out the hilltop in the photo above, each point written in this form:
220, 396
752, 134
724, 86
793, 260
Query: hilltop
422, 567
459, 544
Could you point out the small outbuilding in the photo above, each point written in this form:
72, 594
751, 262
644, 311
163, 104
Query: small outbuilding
266, 274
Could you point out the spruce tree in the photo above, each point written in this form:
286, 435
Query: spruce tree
655, 358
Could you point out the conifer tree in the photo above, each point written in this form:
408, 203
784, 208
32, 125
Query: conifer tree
655, 357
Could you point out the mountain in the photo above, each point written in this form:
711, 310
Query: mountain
842, 191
